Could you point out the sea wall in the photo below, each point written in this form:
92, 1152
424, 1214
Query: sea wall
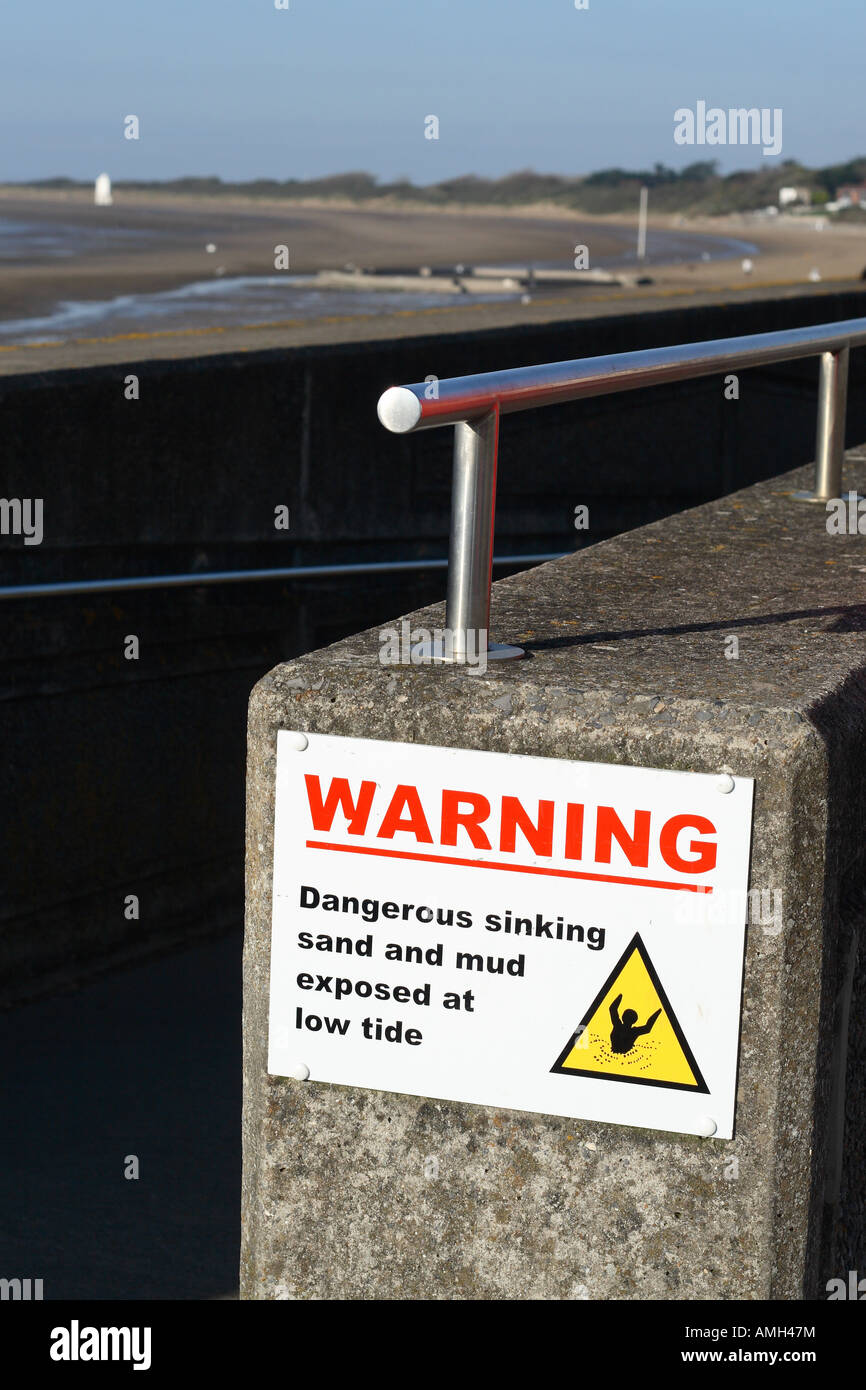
124, 775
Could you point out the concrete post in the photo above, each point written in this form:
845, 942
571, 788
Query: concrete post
728, 637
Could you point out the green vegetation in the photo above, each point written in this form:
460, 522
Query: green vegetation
696, 189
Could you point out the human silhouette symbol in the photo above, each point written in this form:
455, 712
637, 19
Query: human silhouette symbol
624, 1034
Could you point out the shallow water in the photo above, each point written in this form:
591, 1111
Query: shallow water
241, 299
33, 242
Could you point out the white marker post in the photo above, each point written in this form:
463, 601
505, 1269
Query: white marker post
102, 191
641, 225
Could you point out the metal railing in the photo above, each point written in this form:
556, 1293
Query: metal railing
195, 579
474, 405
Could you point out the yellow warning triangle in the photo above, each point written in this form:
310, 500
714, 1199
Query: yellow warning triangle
631, 1033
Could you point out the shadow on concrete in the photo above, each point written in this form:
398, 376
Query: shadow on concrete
851, 618
837, 1206
144, 1062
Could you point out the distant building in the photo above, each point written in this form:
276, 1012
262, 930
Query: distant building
851, 195
790, 196
102, 191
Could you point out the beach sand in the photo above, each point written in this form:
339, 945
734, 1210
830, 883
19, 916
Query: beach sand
156, 242
166, 237
789, 249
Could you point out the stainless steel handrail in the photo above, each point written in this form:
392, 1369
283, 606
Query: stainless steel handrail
474, 405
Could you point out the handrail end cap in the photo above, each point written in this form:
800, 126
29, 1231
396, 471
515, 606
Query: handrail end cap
399, 409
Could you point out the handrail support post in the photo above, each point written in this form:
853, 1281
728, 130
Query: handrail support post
830, 438
473, 503
470, 551
830, 432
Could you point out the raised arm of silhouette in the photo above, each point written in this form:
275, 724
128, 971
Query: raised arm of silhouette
614, 1009
649, 1023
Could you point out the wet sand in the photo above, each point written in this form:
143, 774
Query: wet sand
165, 245
151, 243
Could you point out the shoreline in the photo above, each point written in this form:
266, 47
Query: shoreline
156, 245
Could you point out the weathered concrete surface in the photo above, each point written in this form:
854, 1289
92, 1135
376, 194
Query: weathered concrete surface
627, 665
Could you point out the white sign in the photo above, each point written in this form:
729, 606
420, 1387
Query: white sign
518, 932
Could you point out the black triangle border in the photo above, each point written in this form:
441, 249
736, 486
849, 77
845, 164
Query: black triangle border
559, 1069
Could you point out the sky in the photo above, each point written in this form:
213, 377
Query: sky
241, 89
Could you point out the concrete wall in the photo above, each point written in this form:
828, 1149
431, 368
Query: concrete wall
126, 777
626, 645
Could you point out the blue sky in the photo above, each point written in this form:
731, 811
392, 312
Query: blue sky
241, 89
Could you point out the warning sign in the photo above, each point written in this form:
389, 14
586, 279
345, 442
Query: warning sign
527, 933
631, 1033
